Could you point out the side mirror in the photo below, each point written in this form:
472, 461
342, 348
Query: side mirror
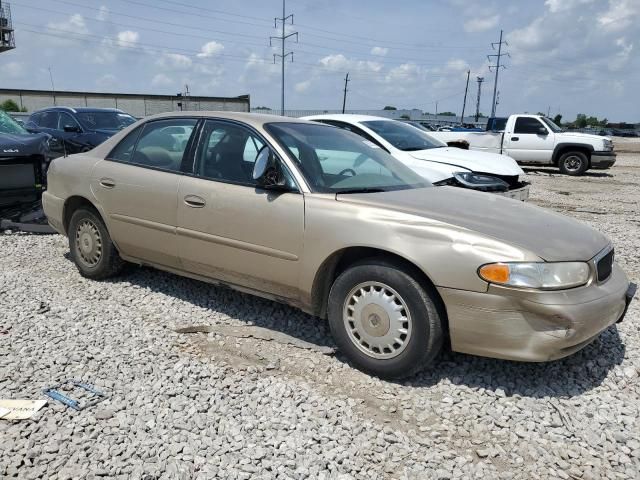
71, 129
266, 170
542, 131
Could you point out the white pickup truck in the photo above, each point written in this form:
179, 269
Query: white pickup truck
536, 140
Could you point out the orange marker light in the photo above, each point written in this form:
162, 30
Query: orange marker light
495, 273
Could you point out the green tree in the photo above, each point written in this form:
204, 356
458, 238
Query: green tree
581, 120
405, 117
558, 120
448, 114
10, 106
389, 107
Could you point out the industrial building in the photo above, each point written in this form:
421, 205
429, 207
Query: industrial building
138, 105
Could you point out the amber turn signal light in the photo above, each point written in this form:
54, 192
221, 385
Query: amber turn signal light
495, 273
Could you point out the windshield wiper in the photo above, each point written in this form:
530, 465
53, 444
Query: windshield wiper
361, 190
415, 149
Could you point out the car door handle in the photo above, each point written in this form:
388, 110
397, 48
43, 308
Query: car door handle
194, 201
515, 139
107, 182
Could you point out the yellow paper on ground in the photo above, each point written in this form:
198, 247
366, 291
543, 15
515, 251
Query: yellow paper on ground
19, 409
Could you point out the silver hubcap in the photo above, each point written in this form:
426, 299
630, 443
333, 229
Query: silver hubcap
89, 243
377, 320
573, 163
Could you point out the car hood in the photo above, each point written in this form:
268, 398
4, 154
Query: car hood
15, 145
551, 236
582, 136
471, 160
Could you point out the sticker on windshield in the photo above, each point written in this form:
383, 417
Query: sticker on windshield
369, 143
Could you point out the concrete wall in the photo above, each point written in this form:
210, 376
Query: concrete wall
136, 105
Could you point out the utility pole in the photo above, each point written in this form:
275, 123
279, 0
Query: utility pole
436, 111
479, 80
53, 88
464, 103
283, 39
344, 97
497, 67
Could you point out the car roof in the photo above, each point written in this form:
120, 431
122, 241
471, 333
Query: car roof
253, 119
346, 117
78, 109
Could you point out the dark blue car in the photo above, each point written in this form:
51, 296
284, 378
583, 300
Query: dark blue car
79, 129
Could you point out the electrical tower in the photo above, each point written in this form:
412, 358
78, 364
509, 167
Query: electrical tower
344, 97
480, 80
464, 103
497, 68
283, 39
7, 40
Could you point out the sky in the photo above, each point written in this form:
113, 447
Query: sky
565, 56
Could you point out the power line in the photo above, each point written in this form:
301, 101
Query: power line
497, 67
283, 40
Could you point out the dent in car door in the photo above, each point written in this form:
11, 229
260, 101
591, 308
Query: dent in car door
236, 232
137, 189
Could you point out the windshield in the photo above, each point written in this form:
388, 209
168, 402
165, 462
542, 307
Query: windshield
555, 128
338, 161
9, 125
105, 120
403, 137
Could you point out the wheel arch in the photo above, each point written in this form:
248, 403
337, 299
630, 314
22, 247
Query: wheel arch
563, 148
72, 204
341, 259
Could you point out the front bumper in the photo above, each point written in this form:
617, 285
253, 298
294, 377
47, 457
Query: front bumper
534, 326
54, 210
521, 193
602, 160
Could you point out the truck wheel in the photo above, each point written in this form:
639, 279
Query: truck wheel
573, 163
91, 247
383, 320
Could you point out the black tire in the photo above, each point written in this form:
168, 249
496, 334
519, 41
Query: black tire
573, 163
87, 227
426, 333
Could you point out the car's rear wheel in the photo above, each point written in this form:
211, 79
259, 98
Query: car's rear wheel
384, 320
91, 247
573, 163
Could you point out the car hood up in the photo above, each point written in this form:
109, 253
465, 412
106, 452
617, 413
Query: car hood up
551, 236
471, 160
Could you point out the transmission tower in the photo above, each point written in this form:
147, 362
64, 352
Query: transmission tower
480, 80
497, 68
283, 39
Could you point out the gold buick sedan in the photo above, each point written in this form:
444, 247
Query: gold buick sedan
318, 218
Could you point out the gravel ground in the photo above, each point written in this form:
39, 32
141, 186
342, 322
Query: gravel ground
204, 405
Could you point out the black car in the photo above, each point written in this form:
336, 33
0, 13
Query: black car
79, 129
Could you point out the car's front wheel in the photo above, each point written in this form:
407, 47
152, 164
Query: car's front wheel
91, 247
573, 163
384, 320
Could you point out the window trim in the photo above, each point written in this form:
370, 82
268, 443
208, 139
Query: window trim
188, 151
254, 132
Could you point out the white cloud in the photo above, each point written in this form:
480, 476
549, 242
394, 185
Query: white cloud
127, 38
380, 51
175, 61
107, 81
13, 69
162, 80
339, 63
481, 24
564, 5
621, 14
103, 13
74, 24
302, 87
258, 71
210, 49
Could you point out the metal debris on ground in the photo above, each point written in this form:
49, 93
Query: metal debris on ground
20, 409
259, 333
88, 394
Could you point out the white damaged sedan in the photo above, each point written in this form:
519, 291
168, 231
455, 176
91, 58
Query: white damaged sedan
433, 159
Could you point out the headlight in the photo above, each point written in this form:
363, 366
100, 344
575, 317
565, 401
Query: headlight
608, 145
479, 181
542, 275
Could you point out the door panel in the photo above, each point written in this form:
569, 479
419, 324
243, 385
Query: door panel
525, 144
140, 205
241, 235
